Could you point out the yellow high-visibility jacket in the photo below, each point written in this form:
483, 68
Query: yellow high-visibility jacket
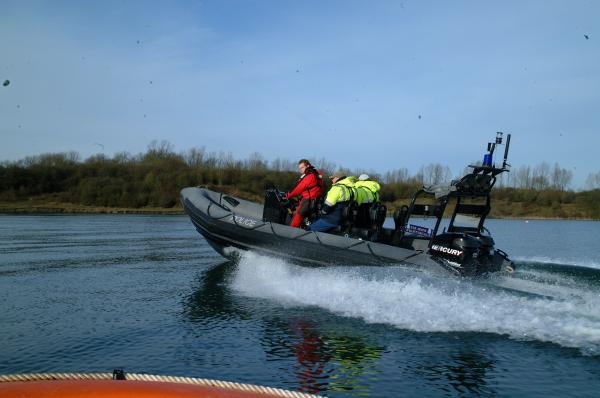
367, 191
341, 191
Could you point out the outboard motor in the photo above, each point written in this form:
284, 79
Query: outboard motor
487, 246
458, 247
467, 254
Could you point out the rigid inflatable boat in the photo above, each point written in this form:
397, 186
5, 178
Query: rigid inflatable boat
454, 241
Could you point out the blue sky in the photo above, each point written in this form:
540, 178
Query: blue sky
373, 85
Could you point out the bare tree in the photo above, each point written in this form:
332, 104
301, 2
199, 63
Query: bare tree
420, 176
280, 164
160, 150
523, 177
373, 174
326, 167
288, 165
122, 157
511, 179
225, 160
276, 165
211, 160
51, 159
195, 157
502, 180
256, 161
72, 157
593, 181
397, 176
540, 177
435, 173
561, 178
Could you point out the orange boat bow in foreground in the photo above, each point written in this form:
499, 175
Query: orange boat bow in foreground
99, 385
116, 389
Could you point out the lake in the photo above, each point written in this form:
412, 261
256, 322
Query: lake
90, 293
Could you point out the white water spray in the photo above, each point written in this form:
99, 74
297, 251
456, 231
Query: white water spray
416, 302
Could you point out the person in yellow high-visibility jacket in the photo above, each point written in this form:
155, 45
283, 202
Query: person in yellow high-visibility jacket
340, 195
367, 190
367, 193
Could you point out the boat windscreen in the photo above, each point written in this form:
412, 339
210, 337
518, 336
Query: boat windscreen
467, 221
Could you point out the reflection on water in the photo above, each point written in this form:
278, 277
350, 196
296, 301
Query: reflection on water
323, 361
355, 357
329, 362
211, 297
312, 355
465, 371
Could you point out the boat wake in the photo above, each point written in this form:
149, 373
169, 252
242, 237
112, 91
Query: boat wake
546, 302
543, 261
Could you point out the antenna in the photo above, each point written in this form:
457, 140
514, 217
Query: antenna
506, 151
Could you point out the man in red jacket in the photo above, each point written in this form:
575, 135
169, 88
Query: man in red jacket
309, 188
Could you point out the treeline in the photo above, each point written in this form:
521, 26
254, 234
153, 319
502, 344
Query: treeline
150, 179
539, 177
154, 179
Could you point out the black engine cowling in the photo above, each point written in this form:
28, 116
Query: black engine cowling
469, 253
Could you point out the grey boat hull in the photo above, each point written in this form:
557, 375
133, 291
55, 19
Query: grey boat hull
229, 222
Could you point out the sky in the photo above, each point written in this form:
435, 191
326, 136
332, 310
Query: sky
376, 85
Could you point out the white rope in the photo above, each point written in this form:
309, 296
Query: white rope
277, 392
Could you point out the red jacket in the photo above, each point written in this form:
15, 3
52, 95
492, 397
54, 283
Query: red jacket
310, 185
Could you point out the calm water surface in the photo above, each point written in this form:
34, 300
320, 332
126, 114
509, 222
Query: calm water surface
146, 293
